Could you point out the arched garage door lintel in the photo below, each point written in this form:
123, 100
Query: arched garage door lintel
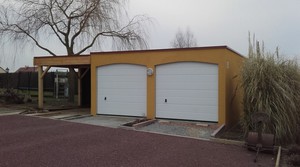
187, 90
186, 61
121, 89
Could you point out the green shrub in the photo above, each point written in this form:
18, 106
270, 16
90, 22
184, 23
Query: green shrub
271, 85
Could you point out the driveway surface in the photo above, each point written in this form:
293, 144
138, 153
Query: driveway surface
31, 141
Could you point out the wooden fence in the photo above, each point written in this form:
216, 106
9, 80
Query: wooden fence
26, 81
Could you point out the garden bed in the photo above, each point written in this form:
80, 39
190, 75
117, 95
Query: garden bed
291, 156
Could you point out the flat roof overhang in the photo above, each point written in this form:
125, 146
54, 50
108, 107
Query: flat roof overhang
63, 61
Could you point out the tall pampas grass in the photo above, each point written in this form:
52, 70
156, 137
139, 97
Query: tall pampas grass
271, 85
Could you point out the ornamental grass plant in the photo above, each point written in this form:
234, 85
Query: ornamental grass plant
271, 84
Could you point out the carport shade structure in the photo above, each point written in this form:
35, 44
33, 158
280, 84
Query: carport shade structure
72, 62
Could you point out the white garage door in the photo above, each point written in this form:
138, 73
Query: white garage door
121, 90
187, 90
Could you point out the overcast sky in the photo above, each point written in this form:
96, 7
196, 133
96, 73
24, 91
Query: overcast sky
213, 22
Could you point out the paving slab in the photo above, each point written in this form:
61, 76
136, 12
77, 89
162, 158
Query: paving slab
63, 113
27, 141
104, 120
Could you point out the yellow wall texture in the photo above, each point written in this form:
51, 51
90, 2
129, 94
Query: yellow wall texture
228, 61
233, 88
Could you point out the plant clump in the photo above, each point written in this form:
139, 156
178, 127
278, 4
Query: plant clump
12, 97
293, 155
271, 84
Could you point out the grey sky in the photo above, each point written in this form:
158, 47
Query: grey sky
213, 22
226, 22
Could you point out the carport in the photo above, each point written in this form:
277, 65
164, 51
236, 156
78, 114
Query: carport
81, 63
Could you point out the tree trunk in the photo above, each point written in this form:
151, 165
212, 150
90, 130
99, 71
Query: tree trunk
71, 77
71, 80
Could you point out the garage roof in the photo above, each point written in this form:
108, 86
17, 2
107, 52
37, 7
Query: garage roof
175, 49
85, 60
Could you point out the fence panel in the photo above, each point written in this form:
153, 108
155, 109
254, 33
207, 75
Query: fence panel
26, 81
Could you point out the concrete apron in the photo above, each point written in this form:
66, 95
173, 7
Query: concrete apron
106, 121
80, 115
119, 121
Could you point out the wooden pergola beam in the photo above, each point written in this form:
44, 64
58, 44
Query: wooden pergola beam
62, 61
45, 72
84, 73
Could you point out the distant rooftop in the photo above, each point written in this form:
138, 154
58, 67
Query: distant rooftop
2, 70
27, 69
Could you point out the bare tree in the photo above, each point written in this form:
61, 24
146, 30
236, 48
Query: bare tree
77, 24
184, 39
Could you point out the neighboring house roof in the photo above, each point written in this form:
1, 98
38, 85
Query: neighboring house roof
2, 70
27, 69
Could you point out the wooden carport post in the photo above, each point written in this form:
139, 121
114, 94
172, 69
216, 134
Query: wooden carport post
79, 88
41, 75
80, 76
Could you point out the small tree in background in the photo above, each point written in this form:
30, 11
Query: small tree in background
272, 85
184, 39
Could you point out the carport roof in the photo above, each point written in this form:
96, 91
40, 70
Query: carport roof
63, 61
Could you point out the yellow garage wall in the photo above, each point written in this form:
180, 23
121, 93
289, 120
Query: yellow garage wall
233, 89
227, 60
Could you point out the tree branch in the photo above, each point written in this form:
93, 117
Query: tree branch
68, 21
82, 25
36, 42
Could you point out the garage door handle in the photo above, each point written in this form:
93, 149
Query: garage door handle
166, 100
104, 98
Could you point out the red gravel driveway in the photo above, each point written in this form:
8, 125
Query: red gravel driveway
31, 141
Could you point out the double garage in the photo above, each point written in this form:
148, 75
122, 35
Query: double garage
189, 84
184, 90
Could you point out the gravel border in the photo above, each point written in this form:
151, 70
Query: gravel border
181, 128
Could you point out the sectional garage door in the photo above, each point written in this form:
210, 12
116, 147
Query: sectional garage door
121, 90
187, 90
